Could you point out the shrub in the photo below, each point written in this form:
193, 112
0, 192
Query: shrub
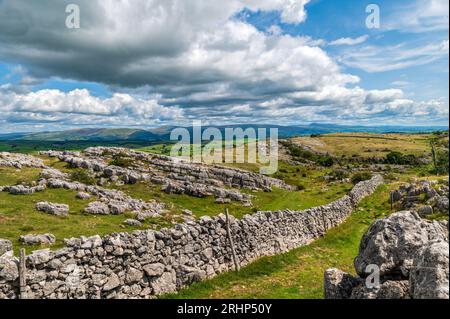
82, 176
442, 163
401, 159
339, 174
390, 177
361, 176
120, 160
326, 161
302, 155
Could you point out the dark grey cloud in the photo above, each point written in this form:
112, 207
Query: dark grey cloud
174, 60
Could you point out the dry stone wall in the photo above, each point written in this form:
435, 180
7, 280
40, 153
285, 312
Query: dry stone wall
144, 264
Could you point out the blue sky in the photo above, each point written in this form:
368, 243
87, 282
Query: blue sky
331, 20
270, 61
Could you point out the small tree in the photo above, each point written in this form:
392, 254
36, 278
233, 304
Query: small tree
361, 176
82, 176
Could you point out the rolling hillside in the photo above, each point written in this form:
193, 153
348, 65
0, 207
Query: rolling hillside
163, 133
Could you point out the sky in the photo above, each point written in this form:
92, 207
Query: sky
148, 63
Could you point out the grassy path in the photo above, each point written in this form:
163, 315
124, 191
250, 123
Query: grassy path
297, 274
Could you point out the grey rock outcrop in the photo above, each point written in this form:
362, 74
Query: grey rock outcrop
83, 195
23, 190
411, 254
421, 195
18, 160
390, 289
97, 208
132, 222
5, 246
49, 173
442, 204
44, 239
175, 176
53, 208
338, 284
9, 268
429, 277
392, 242
110, 201
425, 211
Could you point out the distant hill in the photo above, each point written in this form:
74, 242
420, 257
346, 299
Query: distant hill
162, 134
86, 135
302, 130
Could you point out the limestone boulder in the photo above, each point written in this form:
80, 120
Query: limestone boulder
53, 208
425, 211
44, 239
5, 246
132, 222
338, 284
9, 267
392, 242
83, 196
398, 289
442, 204
97, 208
166, 283
429, 277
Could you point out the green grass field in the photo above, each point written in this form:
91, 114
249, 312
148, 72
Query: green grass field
367, 145
13, 176
278, 199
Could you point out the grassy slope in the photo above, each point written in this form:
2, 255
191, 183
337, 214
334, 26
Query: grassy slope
368, 145
298, 273
13, 176
315, 192
19, 217
278, 199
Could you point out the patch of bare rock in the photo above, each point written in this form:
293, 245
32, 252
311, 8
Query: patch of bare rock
5, 246
175, 176
109, 201
83, 195
424, 197
18, 160
411, 254
44, 239
23, 189
53, 208
132, 222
